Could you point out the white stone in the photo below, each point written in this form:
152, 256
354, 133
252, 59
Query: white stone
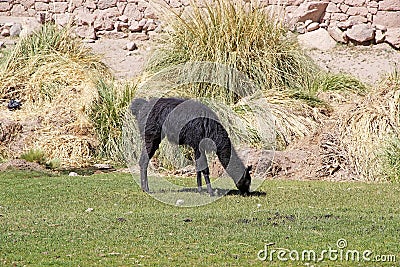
179, 202
5, 32
15, 30
319, 39
130, 46
313, 26
379, 36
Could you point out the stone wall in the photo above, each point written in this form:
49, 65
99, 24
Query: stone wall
358, 21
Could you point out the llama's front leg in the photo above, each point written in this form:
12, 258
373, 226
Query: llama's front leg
144, 163
199, 188
202, 167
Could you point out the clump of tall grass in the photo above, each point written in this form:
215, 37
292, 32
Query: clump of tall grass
53, 73
341, 82
45, 62
244, 37
39, 156
107, 114
34, 155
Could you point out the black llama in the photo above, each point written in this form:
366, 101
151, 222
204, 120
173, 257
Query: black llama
187, 122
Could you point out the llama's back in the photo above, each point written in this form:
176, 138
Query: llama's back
182, 121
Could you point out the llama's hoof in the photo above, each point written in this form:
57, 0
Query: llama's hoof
211, 193
199, 189
146, 190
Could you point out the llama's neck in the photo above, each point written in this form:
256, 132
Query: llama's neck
231, 161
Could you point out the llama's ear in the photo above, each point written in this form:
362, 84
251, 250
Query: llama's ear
249, 168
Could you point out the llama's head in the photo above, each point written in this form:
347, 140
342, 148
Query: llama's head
244, 183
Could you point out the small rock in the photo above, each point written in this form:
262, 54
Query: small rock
179, 202
139, 36
142, 22
88, 41
309, 11
131, 46
313, 26
307, 22
89, 210
259, 205
379, 36
301, 27
149, 26
15, 30
187, 220
123, 18
337, 34
380, 27
86, 32
323, 25
72, 174
135, 27
102, 166
5, 32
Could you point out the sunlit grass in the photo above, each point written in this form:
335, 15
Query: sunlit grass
107, 220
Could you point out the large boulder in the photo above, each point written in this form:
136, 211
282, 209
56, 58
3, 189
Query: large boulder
389, 19
309, 11
361, 33
390, 5
393, 37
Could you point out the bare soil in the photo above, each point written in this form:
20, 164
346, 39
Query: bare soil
368, 63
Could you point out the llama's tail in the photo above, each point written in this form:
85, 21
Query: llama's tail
137, 105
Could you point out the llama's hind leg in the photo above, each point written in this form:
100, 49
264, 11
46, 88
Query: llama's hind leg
206, 173
147, 153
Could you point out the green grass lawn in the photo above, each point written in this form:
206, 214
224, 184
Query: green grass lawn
44, 221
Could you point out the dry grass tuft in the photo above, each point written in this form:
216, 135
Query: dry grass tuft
53, 74
367, 130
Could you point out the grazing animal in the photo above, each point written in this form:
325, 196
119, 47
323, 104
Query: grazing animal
187, 122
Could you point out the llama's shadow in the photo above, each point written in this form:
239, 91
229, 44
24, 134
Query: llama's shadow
218, 192
235, 192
